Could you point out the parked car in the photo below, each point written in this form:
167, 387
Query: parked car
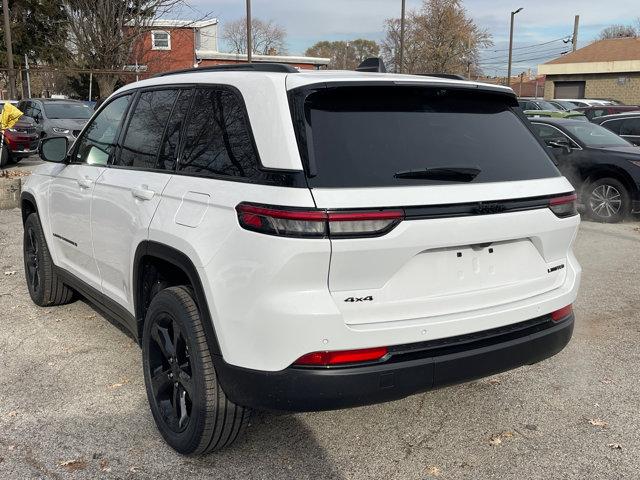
602, 110
556, 114
563, 105
56, 117
301, 241
627, 125
536, 104
586, 102
603, 168
20, 141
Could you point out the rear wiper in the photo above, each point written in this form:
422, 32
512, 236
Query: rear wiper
454, 174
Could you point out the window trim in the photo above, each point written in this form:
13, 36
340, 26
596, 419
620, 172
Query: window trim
153, 40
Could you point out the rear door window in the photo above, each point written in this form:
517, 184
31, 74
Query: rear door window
613, 125
217, 137
631, 126
146, 128
366, 136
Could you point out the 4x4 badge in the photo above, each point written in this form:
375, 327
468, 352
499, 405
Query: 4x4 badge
368, 298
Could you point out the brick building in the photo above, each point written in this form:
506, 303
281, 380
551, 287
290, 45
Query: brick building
177, 44
604, 69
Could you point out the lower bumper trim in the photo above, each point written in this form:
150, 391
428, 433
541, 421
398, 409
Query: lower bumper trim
305, 389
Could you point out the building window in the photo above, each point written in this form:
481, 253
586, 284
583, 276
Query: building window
160, 40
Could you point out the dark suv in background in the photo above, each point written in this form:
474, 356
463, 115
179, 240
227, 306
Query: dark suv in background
627, 125
57, 117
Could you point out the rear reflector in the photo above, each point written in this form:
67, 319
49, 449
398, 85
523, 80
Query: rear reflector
561, 314
294, 222
564, 206
341, 357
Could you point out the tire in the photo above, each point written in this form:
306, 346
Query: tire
45, 286
190, 409
607, 200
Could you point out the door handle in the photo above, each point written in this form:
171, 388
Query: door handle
142, 193
85, 182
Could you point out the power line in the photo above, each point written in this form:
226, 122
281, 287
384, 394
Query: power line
527, 46
536, 56
543, 50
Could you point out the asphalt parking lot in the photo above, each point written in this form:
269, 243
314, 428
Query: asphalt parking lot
73, 405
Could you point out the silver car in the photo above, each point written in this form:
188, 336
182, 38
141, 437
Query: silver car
57, 117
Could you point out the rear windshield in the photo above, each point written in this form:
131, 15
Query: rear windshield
366, 136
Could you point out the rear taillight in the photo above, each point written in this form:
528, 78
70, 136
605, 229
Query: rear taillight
341, 357
564, 206
314, 223
561, 314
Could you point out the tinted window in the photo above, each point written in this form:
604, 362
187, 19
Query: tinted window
95, 146
631, 126
217, 137
67, 110
613, 125
548, 133
363, 136
169, 148
146, 128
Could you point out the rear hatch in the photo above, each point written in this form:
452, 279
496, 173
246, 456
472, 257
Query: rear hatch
473, 186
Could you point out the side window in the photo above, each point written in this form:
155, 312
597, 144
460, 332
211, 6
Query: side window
171, 142
631, 126
550, 134
145, 130
613, 125
218, 139
597, 113
36, 112
99, 139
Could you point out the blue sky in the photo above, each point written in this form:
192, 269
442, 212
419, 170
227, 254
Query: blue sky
309, 21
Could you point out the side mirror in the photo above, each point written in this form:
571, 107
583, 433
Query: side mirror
562, 144
54, 149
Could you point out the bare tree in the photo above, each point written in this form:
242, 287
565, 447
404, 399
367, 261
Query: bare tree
439, 38
344, 55
102, 33
618, 31
267, 38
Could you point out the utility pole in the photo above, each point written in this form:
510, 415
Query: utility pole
249, 46
7, 41
401, 66
574, 40
513, 14
26, 66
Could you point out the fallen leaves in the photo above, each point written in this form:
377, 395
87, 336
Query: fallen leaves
614, 446
496, 440
74, 465
113, 386
433, 471
597, 422
494, 381
104, 465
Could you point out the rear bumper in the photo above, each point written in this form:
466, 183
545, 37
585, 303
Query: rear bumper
411, 369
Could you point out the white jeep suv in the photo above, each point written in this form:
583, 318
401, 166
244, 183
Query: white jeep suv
306, 241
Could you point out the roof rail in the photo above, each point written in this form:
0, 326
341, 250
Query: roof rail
450, 76
243, 67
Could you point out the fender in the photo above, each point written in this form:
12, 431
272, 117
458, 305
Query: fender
28, 197
175, 257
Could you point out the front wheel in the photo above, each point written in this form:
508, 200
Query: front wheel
607, 200
190, 409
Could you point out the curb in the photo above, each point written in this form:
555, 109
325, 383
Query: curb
10, 189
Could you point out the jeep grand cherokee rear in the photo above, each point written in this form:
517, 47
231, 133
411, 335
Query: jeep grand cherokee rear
450, 232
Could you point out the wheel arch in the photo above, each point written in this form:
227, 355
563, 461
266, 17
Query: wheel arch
28, 205
150, 252
610, 171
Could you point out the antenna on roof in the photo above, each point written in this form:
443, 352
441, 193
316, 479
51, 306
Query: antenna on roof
372, 64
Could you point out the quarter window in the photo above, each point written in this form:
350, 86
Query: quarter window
98, 141
217, 137
160, 40
146, 127
631, 126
